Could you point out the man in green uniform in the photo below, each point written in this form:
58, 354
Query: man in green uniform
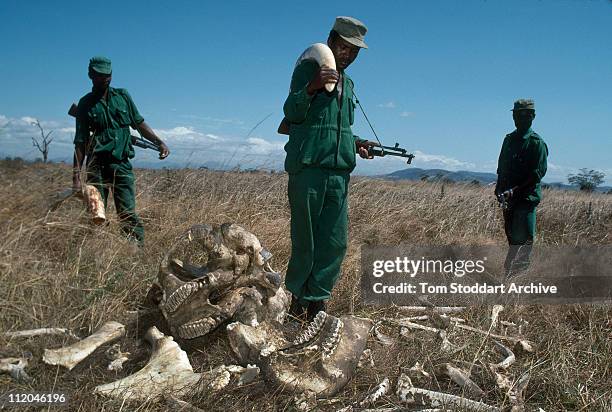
103, 119
320, 156
521, 167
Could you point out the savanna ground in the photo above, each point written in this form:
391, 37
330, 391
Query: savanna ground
57, 270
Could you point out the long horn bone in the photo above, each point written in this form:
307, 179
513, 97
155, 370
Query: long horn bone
70, 356
323, 55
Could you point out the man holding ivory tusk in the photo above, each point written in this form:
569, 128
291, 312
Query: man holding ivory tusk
103, 121
320, 157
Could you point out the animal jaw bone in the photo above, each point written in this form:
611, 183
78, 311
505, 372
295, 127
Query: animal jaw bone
322, 54
320, 360
213, 274
412, 395
70, 356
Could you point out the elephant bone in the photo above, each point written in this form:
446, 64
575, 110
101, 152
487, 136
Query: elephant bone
70, 356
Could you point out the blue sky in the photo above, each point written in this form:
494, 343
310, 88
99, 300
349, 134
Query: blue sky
439, 76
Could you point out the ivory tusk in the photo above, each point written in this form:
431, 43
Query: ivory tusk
323, 55
70, 356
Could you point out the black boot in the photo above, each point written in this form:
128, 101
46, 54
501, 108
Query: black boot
315, 307
296, 310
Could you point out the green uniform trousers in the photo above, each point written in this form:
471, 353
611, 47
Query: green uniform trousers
105, 173
319, 226
520, 227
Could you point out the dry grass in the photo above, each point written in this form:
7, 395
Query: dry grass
57, 270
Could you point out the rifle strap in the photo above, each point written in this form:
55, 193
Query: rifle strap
368, 120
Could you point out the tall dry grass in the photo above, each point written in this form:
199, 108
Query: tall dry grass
58, 270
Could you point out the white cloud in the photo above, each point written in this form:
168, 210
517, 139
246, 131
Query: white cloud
435, 160
264, 147
406, 114
388, 105
28, 119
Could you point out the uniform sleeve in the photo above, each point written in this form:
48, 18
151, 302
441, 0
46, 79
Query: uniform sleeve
135, 116
538, 161
297, 103
501, 160
81, 135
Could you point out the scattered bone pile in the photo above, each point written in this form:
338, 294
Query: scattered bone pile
220, 275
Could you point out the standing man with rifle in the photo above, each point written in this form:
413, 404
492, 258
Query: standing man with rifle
521, 167
103, 121
320, 157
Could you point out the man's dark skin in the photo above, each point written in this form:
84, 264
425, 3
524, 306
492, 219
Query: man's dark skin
522, 121
101, 83
345, 53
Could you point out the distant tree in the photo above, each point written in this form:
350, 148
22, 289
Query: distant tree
42, 143
586, 180
424, 178
475, 182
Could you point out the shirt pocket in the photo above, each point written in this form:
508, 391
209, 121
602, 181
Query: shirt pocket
123, 117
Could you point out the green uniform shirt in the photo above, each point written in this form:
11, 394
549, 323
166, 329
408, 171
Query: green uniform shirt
109, 121
520, 158
320, 126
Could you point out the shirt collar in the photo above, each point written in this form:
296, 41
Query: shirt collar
525, 136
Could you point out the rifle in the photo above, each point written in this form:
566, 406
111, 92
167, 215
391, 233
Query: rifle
501, 199
382, 151
137, 141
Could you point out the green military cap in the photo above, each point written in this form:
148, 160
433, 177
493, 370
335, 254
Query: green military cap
524, 104
351, 30
100, 64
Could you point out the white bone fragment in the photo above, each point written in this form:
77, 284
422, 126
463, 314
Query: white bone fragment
495, 315
175, 404
382, 338
38, 332
417, 370
508, 360
517, 394
70, 356
250, 373
445, 345
305, 401
322, 54
378, 392
366, 359
523, 346
412, 395
116, 357
437, 309
495, 336
16, 367
460, 377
